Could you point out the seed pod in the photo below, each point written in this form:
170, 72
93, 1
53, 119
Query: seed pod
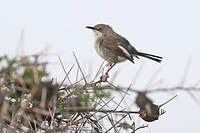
142, 100
150, 112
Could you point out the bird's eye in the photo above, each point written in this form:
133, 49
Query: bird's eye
98, 29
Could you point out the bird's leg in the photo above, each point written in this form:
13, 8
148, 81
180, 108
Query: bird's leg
104, 78
111, 66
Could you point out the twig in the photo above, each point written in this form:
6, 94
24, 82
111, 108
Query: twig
143, 126
178, 88
80, 68
67, 74
116, 123
167, 101
79, 109
64, 69
99, 70
123, 97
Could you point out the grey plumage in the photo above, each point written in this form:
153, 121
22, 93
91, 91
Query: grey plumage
114, 48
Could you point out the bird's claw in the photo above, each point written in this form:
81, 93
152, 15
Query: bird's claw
104, 78
108, 64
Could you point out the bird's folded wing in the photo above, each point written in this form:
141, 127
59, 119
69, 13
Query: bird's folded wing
116, 48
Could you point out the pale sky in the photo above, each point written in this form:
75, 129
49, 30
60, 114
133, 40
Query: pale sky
169, 28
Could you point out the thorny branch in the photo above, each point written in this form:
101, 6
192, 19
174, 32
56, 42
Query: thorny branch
30, 98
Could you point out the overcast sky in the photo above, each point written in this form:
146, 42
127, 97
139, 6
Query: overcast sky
169, 28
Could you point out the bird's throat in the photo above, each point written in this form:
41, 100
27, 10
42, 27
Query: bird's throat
97, 34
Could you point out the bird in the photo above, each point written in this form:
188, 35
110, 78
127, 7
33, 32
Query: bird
114, 48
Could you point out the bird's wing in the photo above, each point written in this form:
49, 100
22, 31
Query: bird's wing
116, 48
130, 48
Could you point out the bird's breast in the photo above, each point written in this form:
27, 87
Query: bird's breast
107, 54
99, 48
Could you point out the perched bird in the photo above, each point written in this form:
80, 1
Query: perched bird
114, 48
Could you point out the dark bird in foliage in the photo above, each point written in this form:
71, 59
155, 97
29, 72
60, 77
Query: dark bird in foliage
114, 48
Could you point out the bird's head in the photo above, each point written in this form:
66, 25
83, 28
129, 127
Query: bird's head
101, 29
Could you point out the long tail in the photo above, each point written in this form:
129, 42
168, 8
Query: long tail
150, 56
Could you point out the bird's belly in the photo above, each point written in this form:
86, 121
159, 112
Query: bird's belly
120, 59
108, 55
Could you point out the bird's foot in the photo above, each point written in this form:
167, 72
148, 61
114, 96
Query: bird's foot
109, 64
103, 78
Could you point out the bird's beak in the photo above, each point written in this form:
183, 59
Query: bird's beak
89, 27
